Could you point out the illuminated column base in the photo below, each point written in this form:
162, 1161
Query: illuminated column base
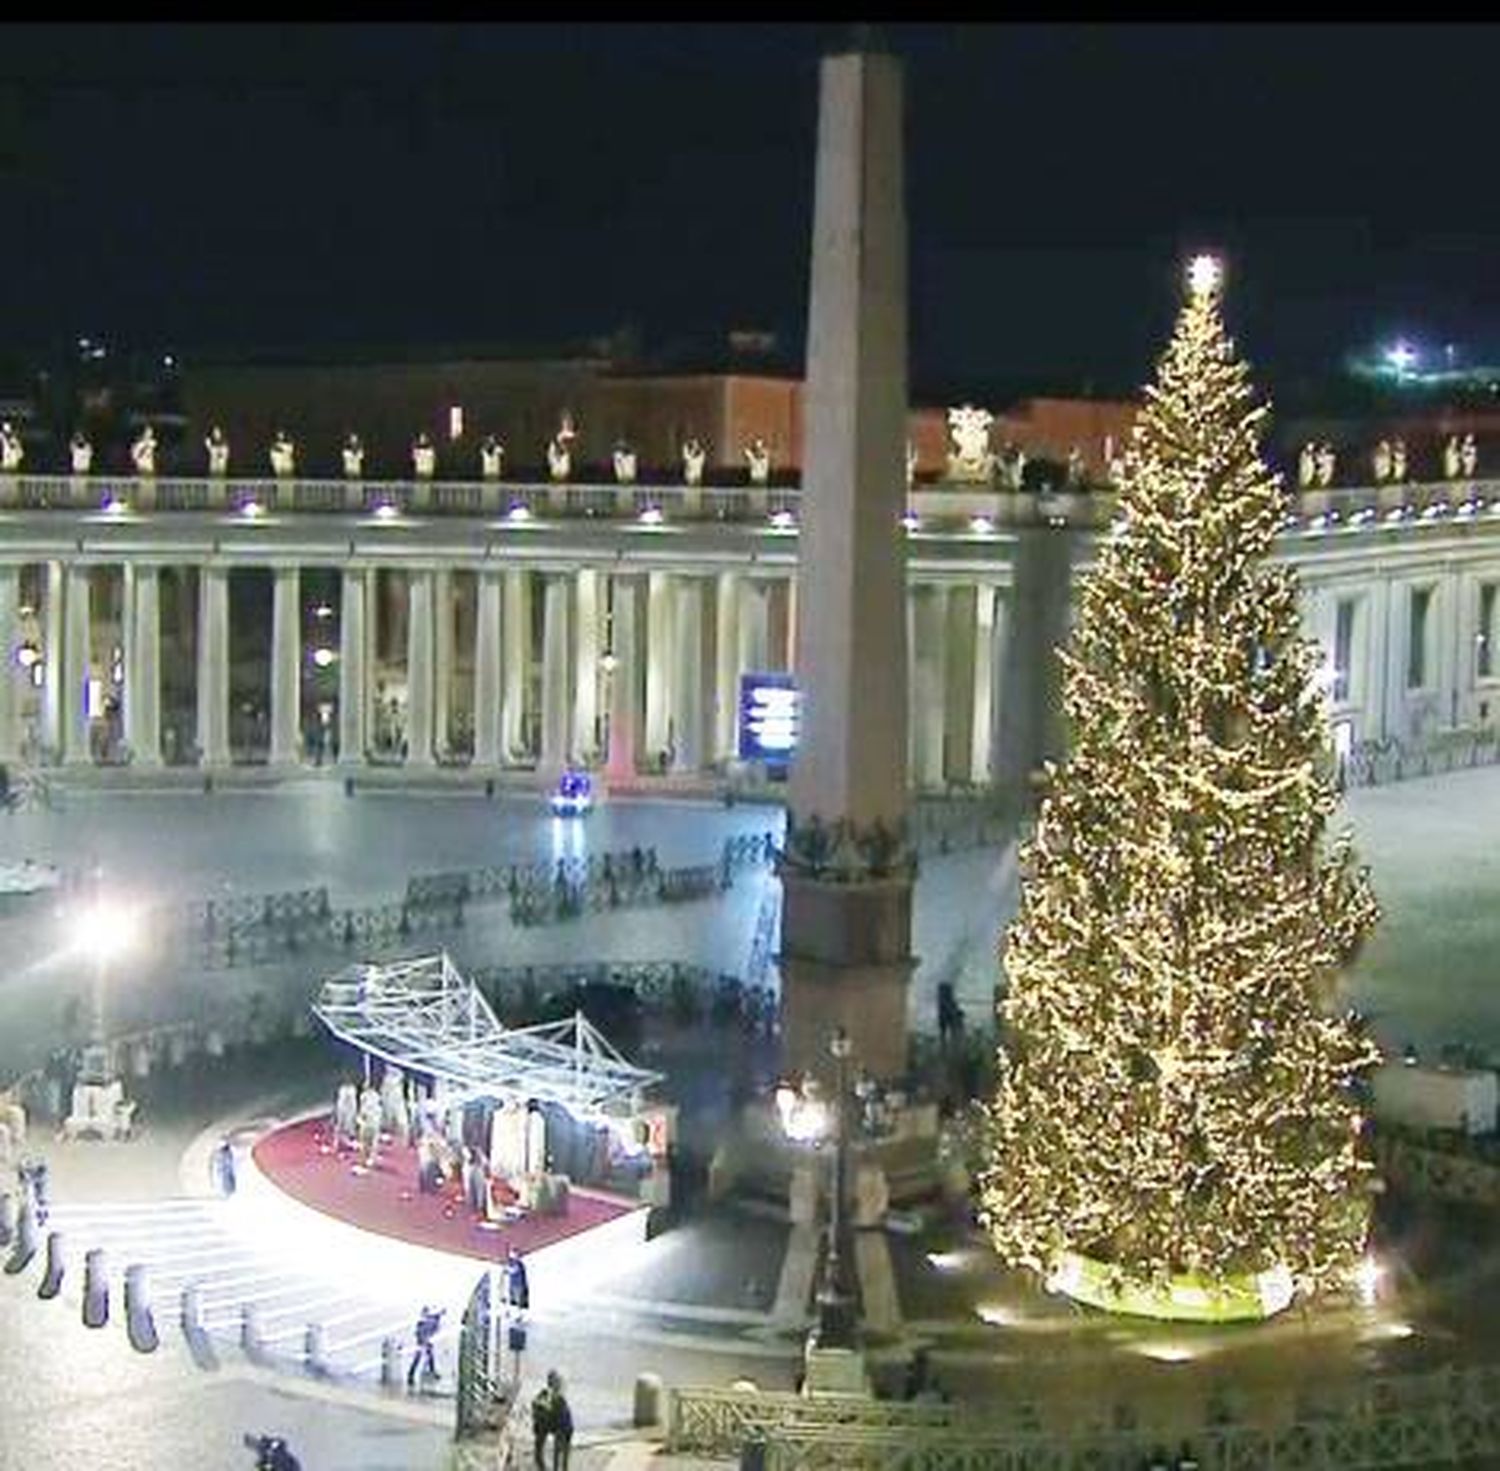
846, 963
1187, 1298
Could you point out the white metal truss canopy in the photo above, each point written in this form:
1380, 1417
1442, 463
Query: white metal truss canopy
424, 1017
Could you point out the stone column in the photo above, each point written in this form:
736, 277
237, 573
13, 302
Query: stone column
555, 724
11, 673
354, 697
958, 685
687, 676
488, 748
143, 666
930, 685
515, 664
419, 672
778, 624
213, 666
442, 659
77, 661
983, 713
727, 670
1036, 625
53, 656
286, 667
586, 663
624, 682
790, 662
659, 646
846, 932
753, 625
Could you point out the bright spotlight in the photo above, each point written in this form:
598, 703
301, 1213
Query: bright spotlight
107, 930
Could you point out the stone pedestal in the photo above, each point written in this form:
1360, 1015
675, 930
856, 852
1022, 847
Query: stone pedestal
834, 1371
846, 961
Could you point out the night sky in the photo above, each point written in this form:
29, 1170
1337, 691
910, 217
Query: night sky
227, 189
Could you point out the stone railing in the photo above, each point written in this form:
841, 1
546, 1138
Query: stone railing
1446, 1417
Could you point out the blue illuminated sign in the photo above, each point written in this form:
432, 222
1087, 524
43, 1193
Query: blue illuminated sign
768, 718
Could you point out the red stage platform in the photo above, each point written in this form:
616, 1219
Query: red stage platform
299, 1159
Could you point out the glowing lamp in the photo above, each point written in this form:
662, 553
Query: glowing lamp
323, 657
783, 520
519, 513
911, 521
981, 525
650, 516
251, 510
385, 511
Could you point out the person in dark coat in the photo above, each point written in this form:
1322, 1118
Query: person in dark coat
562, 1422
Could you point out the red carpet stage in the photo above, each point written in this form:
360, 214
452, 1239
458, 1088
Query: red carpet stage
299, 1160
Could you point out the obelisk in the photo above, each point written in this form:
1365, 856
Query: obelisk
846, 929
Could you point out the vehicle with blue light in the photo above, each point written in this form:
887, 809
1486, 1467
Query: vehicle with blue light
573, 796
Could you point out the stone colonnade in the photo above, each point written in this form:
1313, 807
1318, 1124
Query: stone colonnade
637, 668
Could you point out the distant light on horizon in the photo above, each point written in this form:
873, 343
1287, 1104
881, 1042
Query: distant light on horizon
1401, 356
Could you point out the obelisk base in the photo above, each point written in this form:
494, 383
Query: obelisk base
846, 963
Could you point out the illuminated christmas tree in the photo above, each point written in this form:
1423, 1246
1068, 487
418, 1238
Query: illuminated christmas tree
1175, 1130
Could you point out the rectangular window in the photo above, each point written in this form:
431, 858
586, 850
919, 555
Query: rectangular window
1416, 637
1488, 632
1343, 649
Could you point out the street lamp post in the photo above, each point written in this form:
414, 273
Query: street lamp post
837, 1313
107, 933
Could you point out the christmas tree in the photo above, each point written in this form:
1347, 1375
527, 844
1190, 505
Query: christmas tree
1175, 1129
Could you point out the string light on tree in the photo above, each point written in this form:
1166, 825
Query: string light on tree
1175, 1131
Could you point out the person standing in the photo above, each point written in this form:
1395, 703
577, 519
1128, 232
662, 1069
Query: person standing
422, 1356
562, 1422
517, 1289
541, 1422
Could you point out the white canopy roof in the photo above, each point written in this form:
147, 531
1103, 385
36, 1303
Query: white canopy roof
424, 1017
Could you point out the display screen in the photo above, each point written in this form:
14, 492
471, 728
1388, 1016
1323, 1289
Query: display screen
768, 718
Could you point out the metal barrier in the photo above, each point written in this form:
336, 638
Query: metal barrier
687, 990
1377, 763
1445, 1417
1437, 1173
